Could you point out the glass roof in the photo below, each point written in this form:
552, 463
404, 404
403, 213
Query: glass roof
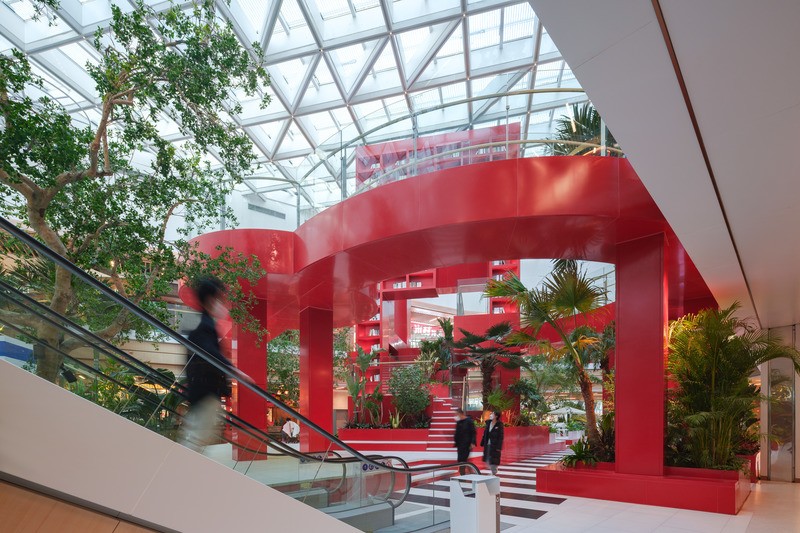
334, 64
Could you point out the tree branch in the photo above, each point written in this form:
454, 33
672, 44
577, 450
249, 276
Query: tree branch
25, 186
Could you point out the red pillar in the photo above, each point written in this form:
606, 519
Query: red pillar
316, 375
401, 319
250, 357
640, 355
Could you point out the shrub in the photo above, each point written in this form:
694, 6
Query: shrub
582, 453
409, 394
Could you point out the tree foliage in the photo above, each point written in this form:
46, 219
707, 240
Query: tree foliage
409, 393
584, 126
711, 410
103, 193
487, 351
283, 366
436, 354
567, 292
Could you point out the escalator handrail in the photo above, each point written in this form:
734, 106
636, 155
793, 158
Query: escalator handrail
231, 372
65, 324
69, 327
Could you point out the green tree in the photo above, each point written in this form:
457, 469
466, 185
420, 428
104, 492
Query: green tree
487, 352
357, 382
342, 347
103, 194
565, 293
283, 366
710, 412
435, 354
583, 126
409, 394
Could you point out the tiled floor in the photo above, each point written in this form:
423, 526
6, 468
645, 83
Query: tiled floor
771, 507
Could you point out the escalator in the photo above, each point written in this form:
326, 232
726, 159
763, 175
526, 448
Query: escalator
366, 491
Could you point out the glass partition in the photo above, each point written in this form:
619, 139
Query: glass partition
336, 479
447, 131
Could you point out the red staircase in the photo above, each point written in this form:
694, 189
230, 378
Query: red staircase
443, 426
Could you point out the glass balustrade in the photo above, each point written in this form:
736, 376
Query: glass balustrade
336, 478
481, 129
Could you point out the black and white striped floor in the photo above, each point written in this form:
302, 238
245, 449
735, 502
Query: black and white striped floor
520, 505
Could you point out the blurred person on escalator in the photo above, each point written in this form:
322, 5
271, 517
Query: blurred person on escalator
206, 384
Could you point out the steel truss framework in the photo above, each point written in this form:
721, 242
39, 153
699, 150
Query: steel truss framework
335, 65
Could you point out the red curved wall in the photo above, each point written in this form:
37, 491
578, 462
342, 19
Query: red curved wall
545, 207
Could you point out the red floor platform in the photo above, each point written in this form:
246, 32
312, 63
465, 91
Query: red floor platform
698, 489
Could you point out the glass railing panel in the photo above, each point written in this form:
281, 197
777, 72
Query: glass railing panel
392, 146
334, 478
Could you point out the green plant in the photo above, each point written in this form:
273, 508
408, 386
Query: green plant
500, 401
564, 294
283, 366
103, 194
409, 395
395, 419
583, 126
373, 405
710, 411
487, 352
356, 382
607, 451
435, 354
576, 424
582, 452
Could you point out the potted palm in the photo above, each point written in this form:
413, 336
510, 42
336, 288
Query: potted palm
710, 411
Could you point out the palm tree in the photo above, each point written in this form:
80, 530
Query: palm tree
487, 352
566, 293
711, 357
435, 354
583, 127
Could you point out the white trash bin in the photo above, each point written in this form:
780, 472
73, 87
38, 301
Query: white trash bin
479, 513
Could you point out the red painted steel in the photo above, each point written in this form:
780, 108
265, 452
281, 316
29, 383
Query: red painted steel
316, 375
591, 208
249, 356
578, 207
685, 488
640, 354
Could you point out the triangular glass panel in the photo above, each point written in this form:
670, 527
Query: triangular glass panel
267, 135
251, 15
291, 31
287, 77
383, 79
321, 91
293, 143
449, 60
350, 62
418, 46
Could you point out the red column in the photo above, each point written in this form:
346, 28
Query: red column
250, 357
401, 319
640, 355
316, 375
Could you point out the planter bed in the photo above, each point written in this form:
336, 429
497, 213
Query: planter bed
699, 489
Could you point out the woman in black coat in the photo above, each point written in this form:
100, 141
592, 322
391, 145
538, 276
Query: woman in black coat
492, 442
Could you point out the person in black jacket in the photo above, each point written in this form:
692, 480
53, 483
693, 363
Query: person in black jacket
492, 442
206, 384
464, 438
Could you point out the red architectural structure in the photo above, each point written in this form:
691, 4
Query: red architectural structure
590, 208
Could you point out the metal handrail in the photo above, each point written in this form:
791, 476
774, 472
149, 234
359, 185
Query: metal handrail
65, 325
414, 114
231, 372
578, 146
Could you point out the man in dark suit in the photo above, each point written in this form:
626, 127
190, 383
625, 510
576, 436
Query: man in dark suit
464, 438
